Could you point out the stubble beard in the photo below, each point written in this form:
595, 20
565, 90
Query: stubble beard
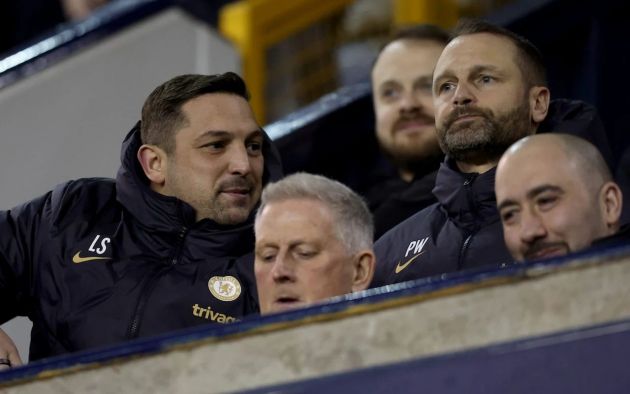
213, 204
228, 212
484, 139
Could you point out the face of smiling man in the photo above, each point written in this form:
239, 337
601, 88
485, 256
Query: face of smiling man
551, 202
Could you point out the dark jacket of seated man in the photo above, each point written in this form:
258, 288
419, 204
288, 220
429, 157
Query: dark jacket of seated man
99, 261
463, 229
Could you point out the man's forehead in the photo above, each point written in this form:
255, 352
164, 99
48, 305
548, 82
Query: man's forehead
473, 42
419, 53
475, 49
525, 174
295, 208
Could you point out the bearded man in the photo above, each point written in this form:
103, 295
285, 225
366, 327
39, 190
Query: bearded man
489, 90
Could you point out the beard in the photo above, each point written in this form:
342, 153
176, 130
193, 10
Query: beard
483, 139
210, 201
414, 152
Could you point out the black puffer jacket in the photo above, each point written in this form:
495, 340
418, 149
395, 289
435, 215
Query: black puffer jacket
463, 229
98, 261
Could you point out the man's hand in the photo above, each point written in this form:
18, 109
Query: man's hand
9, 356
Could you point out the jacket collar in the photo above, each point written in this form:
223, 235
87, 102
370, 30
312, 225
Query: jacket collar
467, 199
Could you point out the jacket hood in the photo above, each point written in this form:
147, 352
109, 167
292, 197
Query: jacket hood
169, 214
580, 119
468, 199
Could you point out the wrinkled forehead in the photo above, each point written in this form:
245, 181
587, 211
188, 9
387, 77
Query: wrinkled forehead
473, 50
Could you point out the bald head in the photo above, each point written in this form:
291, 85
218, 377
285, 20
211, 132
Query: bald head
583, 156
555, 195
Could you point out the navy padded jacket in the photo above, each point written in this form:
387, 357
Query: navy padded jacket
463, 229
100, 261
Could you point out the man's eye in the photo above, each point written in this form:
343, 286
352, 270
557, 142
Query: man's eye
389, 93
486, 79
267, 257
306, 254
254, 148
215, 145
425, 87
546, 202
508, 217
445, 87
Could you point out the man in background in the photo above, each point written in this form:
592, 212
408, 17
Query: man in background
405, 123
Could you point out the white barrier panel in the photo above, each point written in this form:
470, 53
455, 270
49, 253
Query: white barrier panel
413, 321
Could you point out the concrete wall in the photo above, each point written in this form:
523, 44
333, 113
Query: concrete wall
409, 324
68, 121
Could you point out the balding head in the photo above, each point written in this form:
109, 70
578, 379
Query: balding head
555, 195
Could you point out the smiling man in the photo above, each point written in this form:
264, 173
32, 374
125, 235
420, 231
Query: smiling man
166, 245
313, 241
555, 195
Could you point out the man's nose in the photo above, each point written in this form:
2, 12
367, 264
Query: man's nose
409, 103
240, 163
532, 227
283, 270
463, 95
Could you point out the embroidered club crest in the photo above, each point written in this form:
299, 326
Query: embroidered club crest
224, 288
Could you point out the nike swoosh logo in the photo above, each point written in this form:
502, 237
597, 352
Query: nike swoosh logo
77, 259
400, 267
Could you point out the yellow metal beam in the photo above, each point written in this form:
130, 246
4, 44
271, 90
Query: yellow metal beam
255, 25
439, 12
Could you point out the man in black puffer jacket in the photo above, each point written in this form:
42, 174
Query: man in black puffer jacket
489, 90
167, 245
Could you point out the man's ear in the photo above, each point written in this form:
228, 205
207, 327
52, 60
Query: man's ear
154, 162
611, 199
539, 97
364, 265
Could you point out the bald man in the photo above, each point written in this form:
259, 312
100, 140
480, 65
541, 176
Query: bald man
555, 196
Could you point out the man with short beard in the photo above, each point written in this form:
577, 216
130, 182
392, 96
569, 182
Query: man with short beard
405, 124
489, 90
166, 245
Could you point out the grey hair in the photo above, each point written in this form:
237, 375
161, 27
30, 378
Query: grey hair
354, 224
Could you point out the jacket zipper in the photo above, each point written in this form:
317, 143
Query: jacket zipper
469, 236
149, 285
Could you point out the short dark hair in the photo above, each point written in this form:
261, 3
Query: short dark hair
161, 112
425, 31
529, 59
